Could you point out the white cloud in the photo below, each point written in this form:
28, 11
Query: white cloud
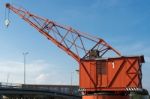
147, 59
42, 78
37, 72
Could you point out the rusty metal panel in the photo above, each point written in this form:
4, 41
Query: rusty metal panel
124, 72
102, 72
105, 97
87, 73
111, 74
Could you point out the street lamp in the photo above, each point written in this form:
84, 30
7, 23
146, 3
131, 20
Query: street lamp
71, 84
24, 55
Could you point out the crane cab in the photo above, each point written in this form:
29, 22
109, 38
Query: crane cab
111, 74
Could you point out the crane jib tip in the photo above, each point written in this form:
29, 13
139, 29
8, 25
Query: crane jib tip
7, 5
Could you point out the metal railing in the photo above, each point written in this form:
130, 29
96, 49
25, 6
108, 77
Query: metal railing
63, 89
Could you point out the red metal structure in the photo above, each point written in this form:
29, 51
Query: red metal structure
111, 74
98, 75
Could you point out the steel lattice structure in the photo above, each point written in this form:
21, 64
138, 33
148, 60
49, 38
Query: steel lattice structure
73, 42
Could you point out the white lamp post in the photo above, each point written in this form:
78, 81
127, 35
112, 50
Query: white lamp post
24, 55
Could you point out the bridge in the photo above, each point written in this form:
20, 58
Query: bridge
31, 91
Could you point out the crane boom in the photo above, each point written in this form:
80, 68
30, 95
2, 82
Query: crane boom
66, 38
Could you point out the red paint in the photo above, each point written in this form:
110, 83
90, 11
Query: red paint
105, 97
112, 74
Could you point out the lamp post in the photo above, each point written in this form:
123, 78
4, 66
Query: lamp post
71, 83
24, 56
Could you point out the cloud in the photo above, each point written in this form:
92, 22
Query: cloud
42, 78
147, 59
37, 72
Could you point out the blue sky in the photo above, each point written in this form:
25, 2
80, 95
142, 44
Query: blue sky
124, 24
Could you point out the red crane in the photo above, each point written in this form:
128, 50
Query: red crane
97, 75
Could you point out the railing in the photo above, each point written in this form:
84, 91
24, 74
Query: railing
66, 89
10, 85
63, 89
